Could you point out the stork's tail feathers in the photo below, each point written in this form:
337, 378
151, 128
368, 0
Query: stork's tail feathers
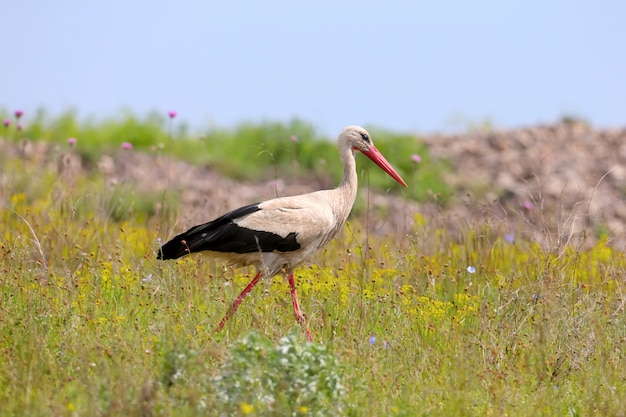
185, 243
175, 248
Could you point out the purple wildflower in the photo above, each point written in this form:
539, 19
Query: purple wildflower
18, 113
416, 158
71, 141
171, 114
127, 146
6, 122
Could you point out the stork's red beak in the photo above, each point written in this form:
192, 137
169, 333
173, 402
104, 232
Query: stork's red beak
378, 158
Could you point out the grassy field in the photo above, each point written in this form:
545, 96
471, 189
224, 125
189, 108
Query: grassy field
421, 324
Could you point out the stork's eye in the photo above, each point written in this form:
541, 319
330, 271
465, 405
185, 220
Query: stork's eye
365, 137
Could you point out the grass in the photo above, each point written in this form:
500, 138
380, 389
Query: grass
92, 324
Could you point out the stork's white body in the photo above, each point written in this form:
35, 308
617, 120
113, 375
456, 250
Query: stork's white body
315, 219
278, 235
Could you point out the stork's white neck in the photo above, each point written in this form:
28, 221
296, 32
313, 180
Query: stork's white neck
347, 188
349, 178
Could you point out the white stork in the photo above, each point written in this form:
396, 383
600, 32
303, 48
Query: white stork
279, 234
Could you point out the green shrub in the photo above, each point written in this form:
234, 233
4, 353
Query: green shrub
289, 379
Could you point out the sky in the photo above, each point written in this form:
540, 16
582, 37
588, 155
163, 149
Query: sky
408, 66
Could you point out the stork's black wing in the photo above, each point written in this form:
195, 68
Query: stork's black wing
225, 235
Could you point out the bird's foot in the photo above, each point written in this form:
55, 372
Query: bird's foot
301, 319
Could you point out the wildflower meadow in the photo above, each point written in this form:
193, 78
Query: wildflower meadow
478, 322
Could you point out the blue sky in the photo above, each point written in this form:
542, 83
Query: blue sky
419, 66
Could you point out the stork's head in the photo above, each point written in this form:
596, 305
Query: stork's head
358, 139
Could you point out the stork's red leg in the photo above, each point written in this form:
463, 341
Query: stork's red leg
235, 305
296, 307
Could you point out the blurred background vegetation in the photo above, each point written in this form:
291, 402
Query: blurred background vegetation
249, 151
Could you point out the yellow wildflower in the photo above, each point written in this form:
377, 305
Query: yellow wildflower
246, 408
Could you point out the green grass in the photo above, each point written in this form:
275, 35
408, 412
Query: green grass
92, 324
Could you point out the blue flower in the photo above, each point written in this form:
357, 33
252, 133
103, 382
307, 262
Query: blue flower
372, 340
471, 269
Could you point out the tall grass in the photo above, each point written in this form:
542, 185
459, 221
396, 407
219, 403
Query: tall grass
92, 324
